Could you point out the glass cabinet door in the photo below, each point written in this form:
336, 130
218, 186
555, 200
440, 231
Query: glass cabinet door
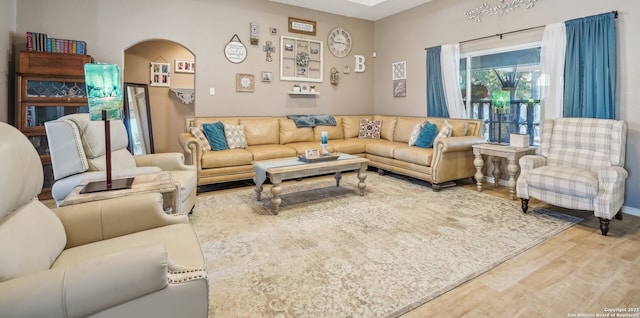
46, 88
37, 115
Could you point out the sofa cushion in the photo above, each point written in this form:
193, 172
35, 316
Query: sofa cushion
458, 127
382, 148
351, 125
352, 146
266, 152
92, 133
226, 158
120, 159
235, 136
289, 132
427, 135
31, 238
404, 126
388, 126
334, 132
569, 181
215, 135
261, 131
202, 139
370, 128
416, 155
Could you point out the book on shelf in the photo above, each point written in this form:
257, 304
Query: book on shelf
41, 42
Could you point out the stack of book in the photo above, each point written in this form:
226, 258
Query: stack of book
41, 42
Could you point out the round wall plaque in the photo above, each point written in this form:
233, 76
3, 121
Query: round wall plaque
235, 51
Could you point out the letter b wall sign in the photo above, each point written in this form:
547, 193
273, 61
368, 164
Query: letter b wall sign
360, 67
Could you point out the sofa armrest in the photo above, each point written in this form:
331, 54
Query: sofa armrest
192, 149
89, 287
169, 161
453, 158
100, 220
530, 162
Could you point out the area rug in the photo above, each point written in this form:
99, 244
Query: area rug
333, 253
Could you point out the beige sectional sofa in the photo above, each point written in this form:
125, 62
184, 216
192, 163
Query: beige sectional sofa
450, 159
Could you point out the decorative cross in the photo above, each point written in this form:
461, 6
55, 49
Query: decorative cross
269, 48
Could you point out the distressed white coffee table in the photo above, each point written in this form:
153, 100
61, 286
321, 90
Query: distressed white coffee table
285, 169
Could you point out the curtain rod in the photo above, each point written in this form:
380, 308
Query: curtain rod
615, 15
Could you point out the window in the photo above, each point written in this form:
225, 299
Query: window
515, 70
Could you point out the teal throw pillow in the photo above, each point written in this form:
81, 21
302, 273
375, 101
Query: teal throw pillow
215, 135
427, 135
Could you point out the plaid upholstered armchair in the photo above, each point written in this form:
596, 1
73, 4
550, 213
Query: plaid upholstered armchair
580, 166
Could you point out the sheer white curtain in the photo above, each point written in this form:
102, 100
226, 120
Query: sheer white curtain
450, 61
554, 43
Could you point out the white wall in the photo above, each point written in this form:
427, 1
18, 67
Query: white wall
404, 37
205, 27
7, 32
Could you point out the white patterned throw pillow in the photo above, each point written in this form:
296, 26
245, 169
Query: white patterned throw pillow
414, 134
445, 131
202, 139
235, 136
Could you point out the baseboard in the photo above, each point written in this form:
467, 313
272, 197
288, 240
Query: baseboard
625, 209
630, 211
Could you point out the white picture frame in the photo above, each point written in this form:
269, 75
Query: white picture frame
184, 66
312, 153
291, 49
267, 76
304, 88
159, 74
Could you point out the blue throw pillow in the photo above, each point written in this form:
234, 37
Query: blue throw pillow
215, 135
427, 135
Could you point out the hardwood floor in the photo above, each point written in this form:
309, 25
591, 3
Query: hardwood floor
576, 272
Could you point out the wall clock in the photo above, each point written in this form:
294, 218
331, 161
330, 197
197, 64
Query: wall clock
235, 51
340, 42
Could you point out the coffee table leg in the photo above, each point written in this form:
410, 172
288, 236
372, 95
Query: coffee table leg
276, 189
258, 190
362, 176
338, 176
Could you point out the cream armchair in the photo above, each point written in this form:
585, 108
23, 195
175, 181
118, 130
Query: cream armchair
115, 258
580, 166
77, 148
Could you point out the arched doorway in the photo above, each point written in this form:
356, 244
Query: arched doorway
167, 111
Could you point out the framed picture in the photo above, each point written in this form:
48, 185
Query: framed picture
266, 76
312, 153
399, 70
245, 82
159, 74
184, 66
304, 87
274, 31
302, 26
300, 60
400, 88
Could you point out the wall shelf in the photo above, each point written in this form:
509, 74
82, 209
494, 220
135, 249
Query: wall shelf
184, 94
304, 93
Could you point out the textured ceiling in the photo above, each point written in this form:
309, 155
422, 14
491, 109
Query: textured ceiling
363, 9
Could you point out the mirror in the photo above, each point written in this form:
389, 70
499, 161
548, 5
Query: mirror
138, 118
